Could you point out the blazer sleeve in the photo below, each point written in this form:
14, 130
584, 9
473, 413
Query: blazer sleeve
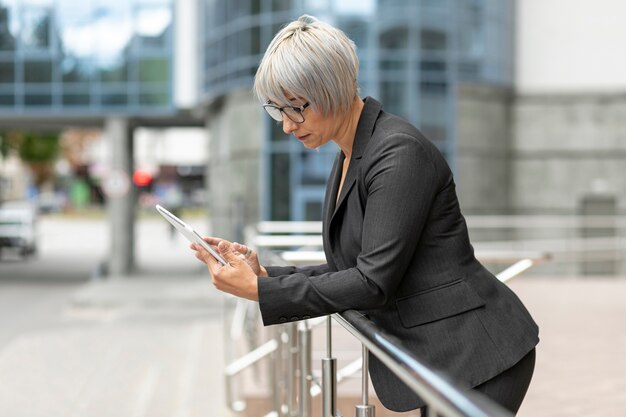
274, 271
401, 182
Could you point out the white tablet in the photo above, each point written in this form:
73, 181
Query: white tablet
189, 233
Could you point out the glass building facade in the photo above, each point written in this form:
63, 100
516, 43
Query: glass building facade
412, 53
91, 57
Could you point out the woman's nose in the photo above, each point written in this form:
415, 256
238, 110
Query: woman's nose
288, 125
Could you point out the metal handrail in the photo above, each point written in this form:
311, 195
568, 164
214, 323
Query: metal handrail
439, 394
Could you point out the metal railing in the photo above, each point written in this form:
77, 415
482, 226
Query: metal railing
293, 382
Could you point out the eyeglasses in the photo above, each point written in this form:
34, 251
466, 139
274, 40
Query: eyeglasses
294, 113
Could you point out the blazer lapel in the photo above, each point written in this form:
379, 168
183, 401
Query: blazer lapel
364, 130
329, 207
331, 189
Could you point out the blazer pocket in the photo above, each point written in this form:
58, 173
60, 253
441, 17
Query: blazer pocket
438, 303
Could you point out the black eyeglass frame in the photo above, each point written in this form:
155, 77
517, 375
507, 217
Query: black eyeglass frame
298, 109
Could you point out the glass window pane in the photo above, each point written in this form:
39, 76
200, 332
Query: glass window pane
7, 100
114, 99
281, 5
75, 70
393, 96
276, 130
434, 110
114, 74
432, 39
155, 70
316, 167
154, 99
395, 38
70, 100
313, 211
38, 99
280, 190
7, 72
38, 72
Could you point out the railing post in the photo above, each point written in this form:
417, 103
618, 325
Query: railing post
276, 370
329, 376
304, 343
365, 409
292, 367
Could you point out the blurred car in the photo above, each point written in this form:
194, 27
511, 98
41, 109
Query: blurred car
18, 227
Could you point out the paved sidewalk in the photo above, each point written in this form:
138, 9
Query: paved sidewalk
581, 359
135, 347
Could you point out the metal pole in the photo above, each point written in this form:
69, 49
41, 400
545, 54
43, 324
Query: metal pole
329, 377
304, 339
275, 370
365, 409
292, 370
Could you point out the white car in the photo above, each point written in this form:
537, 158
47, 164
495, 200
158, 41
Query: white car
18, 224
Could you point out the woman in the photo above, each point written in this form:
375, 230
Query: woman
396, 244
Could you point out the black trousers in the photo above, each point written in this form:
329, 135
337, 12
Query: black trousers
508, 389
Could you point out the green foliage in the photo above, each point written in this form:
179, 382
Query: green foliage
39, 147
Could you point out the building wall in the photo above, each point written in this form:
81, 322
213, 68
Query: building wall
570, 46
566, 147
483, 140
234, 167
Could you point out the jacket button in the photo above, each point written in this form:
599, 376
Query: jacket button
294, 318
282, 319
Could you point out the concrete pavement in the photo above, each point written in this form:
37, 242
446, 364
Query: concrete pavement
137, 347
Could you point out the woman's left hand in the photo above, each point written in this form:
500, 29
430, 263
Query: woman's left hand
236, 277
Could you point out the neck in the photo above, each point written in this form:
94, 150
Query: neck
347, 127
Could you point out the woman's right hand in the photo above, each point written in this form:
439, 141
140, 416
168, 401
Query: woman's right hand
247, 254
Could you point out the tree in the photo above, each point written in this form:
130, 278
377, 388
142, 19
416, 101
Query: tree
37, 150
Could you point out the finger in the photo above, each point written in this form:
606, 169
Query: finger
240, 248
226, 249
243, 249
214, 241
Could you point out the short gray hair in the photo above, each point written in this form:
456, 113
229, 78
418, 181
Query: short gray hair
312, 60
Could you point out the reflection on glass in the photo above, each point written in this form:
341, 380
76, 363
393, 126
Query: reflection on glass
84, 47
7, 38
154, 70
154, 99
151, 25
114, 73
36, 29
75, 70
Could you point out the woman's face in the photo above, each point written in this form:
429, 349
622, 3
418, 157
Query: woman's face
315, 131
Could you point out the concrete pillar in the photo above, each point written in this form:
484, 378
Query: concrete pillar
121, 198
599, 204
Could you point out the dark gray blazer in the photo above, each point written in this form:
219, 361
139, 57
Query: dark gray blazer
398, 250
